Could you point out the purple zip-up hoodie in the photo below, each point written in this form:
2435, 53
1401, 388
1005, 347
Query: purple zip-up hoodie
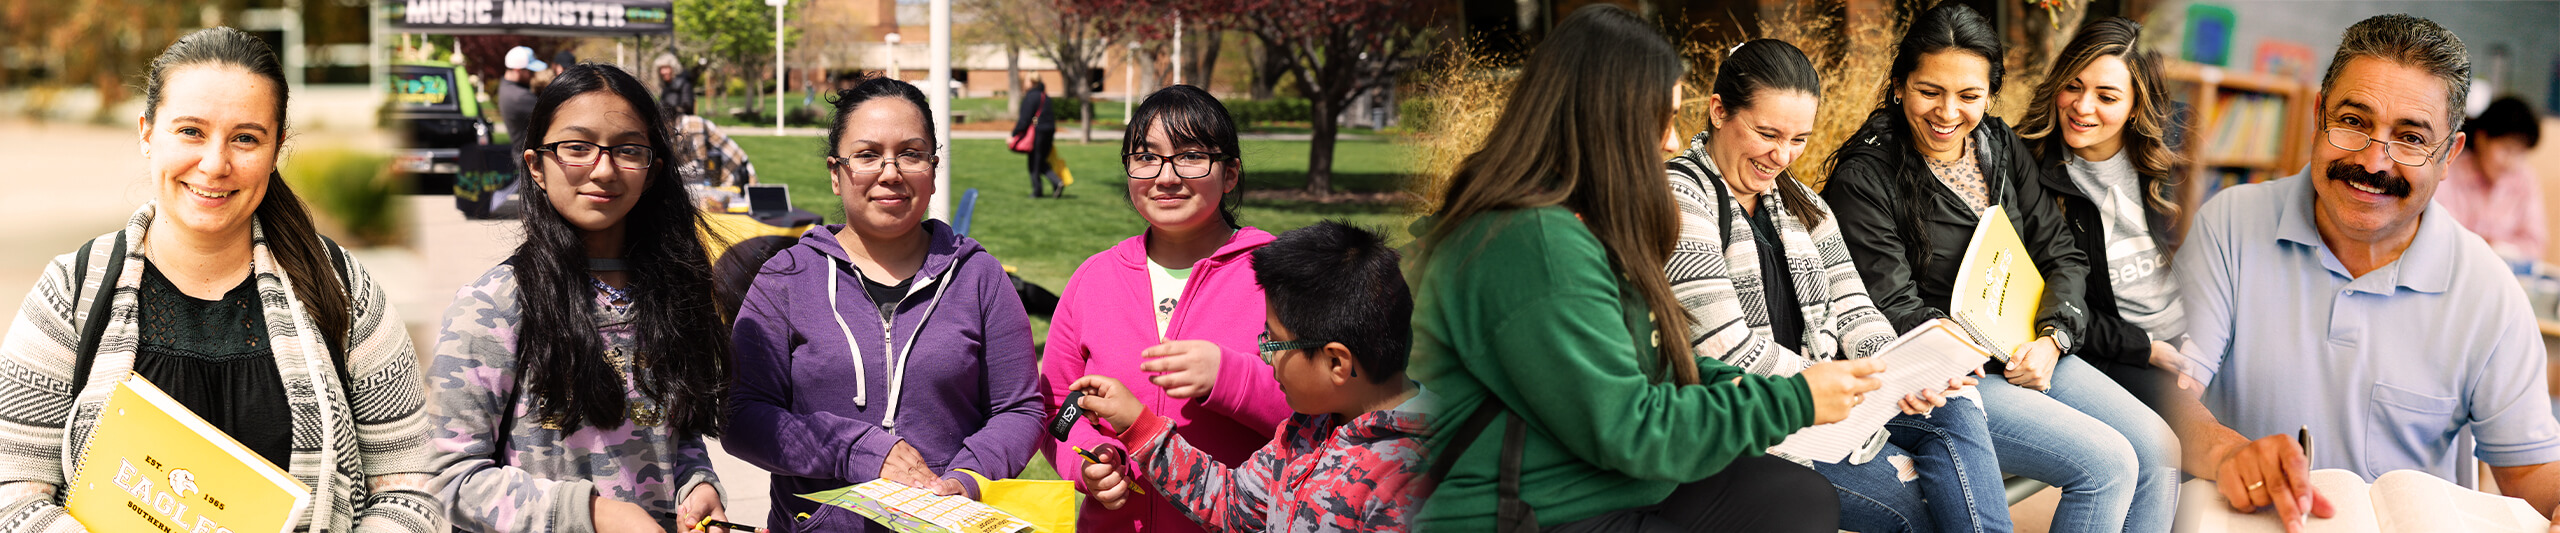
823, 392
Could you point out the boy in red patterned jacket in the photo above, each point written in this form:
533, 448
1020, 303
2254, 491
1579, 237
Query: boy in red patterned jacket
1337, 336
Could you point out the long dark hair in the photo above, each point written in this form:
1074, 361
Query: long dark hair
1948, 27
683, 356
1771, 65
1192, 117
1580, 130
2146, 129
291, 236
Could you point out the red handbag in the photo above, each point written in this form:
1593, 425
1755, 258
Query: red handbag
1021, 141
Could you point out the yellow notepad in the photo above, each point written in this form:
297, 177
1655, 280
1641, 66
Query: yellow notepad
1997, 289
152, 465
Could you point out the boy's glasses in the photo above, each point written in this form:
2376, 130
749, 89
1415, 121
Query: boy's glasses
583, 154
1271, 349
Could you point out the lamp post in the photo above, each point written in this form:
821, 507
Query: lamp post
1129, 79
939, 79
777, 63
893, 39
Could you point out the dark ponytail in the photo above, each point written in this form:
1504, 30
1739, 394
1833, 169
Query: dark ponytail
291, 236
1771, 65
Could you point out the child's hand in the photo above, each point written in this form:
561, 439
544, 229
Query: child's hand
1185, 369
1105, 482
1108, 400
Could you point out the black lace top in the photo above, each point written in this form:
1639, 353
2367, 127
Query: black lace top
212, 356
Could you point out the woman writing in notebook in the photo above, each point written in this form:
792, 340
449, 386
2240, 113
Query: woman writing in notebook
1541, 312
887, 347
576, 380
1751, 234
1910, 188
225, 297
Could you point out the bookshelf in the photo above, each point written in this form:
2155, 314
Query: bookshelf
2242, 127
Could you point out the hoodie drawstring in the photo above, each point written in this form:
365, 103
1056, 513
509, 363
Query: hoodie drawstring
861, 385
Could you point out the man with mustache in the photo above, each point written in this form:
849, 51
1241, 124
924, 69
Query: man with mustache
2344, 301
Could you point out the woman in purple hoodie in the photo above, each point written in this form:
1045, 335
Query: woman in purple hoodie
1173, 312
887, 347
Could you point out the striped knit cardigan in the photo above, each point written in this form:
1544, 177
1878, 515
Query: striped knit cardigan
1718, 279
359, 443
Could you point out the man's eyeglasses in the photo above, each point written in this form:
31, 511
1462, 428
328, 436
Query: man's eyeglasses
911, 163
1271, 349
2404, 153
584, 154
1187, 165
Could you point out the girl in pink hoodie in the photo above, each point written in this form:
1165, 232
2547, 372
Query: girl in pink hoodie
1173, 312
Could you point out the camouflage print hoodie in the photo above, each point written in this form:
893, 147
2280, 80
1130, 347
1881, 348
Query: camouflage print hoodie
1315, 476
540, 479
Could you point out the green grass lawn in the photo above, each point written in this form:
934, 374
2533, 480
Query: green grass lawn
1045, 239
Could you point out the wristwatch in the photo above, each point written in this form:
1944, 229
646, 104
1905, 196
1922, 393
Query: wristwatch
2061, 339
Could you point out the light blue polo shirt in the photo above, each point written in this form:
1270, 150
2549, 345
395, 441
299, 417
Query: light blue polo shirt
2385, 369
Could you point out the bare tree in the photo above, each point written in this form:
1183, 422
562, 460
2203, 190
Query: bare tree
1336, 50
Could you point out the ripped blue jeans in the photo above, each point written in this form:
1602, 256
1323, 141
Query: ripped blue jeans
1937, 473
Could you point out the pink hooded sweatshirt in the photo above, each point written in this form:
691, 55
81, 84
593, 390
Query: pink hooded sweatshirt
1106, 317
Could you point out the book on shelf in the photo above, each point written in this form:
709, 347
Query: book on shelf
153, 465
906, 509
2396, 502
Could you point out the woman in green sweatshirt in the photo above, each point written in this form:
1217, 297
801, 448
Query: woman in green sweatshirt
1537, 337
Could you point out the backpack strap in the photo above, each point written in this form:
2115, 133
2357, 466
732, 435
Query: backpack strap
1511, 514
93, 326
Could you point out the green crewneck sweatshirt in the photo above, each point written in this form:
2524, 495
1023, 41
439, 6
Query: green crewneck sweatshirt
1523, 305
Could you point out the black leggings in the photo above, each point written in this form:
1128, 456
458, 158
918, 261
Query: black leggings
1040, 171
1758, 493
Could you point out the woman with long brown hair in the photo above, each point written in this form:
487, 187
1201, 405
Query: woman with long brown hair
1539, 310
2099, 129
221, 293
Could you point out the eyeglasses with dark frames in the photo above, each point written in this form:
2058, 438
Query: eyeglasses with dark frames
1271, 349
586, 154
1190, 165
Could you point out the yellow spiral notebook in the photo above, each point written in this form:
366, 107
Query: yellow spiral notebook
154, 466
1997, 289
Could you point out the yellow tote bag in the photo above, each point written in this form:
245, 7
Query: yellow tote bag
1059, 164
1047, 504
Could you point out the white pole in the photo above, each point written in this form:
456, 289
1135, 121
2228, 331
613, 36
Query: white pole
1129, 82
938, 90
1177, 48
777, 64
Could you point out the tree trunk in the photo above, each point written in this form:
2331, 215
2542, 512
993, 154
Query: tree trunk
1201, 70
1013, 79
1266, 70
1320, 146
1088, 118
